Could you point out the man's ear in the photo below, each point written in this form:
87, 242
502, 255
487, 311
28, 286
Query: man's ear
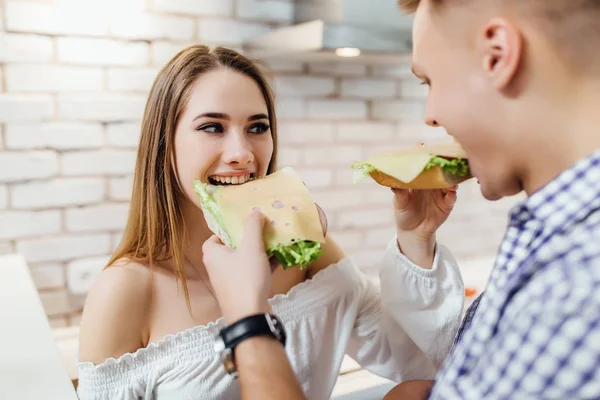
501, 46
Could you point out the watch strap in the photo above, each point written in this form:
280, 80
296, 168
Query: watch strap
254, 325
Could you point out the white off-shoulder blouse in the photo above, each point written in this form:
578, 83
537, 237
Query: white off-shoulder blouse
401, 331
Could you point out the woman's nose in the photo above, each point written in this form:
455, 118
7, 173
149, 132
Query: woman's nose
238, 151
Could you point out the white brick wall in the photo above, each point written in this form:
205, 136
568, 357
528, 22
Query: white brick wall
82, 273
333, 200
107, 217
20, 166
53, 78
15, 107
102, 162
365, 132
104, 108
348, 240
18, 224
369, 88
57, 193
304, 86
25, 48
48, 275
131, 79
95, 51
3, 197
305, 132
266, 10
337, 109
56, 135
74, 77
399, 110
290, 157
148, 26
62, 248
163, 51
123, 135
333, 155
120, 188
315, 178
338, 69
45, 18
228, 32
367, 218
195, 7
289, 108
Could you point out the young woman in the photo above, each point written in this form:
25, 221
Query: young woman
149, 321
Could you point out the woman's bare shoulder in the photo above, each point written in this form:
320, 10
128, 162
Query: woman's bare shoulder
332, 254
116, 312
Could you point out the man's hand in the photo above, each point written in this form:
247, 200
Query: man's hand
240, 277
419, 214
410, 390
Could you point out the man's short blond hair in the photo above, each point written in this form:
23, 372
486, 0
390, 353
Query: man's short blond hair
572, 25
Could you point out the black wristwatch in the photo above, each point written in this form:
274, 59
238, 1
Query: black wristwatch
255, 325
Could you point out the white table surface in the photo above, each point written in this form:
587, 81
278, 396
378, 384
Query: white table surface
30, 364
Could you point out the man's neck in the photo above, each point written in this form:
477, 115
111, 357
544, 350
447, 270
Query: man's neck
569, 140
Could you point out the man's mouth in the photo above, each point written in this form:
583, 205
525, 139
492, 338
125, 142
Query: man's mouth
219, 180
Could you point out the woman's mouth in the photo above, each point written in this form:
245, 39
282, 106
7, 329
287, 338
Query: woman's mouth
220, 180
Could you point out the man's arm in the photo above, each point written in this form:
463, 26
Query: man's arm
265, 372
410, 390
241, 279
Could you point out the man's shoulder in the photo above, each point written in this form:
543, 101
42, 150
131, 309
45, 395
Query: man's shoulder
575, 249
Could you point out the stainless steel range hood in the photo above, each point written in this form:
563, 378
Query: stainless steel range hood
321, 27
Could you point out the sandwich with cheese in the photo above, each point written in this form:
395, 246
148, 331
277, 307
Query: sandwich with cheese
293, 234
422, 167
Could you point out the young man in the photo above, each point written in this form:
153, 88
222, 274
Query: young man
517, 83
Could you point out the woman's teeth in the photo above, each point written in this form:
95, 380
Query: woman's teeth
232, 180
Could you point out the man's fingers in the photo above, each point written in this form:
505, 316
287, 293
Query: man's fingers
253, 233
450, 199
401, 199
211, 247
450, 189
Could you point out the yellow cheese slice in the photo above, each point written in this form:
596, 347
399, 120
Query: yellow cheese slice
405, 165
283, 198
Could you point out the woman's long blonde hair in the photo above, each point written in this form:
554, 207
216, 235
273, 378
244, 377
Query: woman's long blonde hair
155, 229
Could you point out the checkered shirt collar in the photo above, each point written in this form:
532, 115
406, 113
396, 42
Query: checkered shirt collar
566, 200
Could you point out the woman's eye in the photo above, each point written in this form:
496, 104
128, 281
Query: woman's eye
211, 128
259, 128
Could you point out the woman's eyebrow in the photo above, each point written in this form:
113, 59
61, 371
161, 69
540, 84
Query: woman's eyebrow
214, 115
257, 117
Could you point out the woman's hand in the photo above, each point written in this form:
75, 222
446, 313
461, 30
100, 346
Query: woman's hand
419, 214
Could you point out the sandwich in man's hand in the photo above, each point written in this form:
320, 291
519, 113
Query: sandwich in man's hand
293, 233
422, 167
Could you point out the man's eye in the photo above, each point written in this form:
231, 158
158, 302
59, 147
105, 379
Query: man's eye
211, 128
259, 128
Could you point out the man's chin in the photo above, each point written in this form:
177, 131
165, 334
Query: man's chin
497, 192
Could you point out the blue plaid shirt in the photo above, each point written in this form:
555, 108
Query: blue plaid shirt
535, 332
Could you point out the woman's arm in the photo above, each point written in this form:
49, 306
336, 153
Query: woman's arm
113, 323
406, 329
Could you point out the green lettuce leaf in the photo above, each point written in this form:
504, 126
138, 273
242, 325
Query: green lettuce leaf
362, 170
300, 253
455, 166
212, 212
